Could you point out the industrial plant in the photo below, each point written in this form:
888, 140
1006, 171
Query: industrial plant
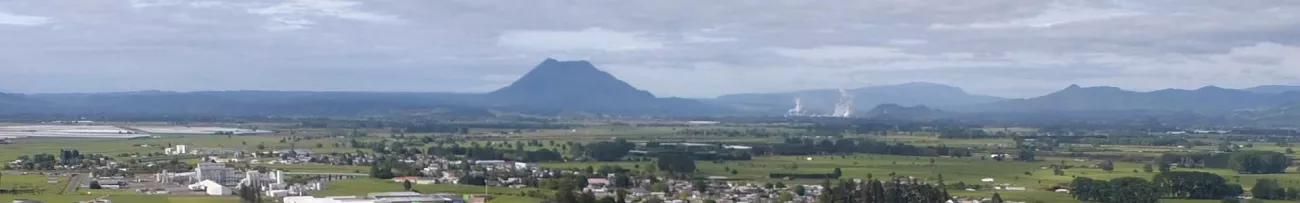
843, 108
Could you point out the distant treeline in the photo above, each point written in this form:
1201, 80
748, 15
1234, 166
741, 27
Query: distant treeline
434, 127
1130, 140
1245, 162
798, 146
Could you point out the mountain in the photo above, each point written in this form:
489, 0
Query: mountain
1076, 98
1273, 89
249, 102
899, 112
16, 103
580, 86
822, 101
552, 88
570, 84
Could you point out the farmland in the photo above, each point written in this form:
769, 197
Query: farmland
1037, 176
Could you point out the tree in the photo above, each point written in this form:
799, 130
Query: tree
799, 190
1107, 166
1268, 189
700, 186
659, 187
1026, 155
997, 198
261, 147
1147, 168
1195, 185
1289, 151
768, 186
676, 163
94, 185
837, 173
1259, 162
780, 185
622, 196
1127, 189
406, 184
785, 197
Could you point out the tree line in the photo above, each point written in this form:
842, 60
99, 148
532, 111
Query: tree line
1180, 184
897, 190
1244, 162
799, 146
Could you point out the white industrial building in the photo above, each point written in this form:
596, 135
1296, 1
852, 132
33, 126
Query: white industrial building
268, 181
217, 172
211, 187
176, 150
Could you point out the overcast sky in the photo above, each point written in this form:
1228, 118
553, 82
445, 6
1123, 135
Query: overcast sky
686, 48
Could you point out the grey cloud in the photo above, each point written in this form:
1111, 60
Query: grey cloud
670, 47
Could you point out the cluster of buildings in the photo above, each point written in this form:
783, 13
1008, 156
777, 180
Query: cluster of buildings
176, 150
386, 197
217, 179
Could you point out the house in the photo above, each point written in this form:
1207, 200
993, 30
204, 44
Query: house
597, 184
413, 179
524, 166
490, 162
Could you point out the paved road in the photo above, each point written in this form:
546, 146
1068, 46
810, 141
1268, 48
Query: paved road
74, 181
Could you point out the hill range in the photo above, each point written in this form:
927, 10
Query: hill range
556, 87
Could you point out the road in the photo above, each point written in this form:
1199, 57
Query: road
74, 181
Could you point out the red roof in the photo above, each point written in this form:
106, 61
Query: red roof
407, 178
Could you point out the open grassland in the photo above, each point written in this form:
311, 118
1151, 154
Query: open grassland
929, 140
40, 182
361, 187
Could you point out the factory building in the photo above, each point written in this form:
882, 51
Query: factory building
217, 172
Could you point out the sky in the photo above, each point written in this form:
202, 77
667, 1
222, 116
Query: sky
681, 48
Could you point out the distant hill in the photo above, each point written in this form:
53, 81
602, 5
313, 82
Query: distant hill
553, 88
898, 112
823, 100
249, 102
1076, 98
17, 103
1273, 89
580, 86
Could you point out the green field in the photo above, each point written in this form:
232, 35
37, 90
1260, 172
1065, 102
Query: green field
10, 180
361, 187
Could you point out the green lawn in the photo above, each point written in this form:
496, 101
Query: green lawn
35, 180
